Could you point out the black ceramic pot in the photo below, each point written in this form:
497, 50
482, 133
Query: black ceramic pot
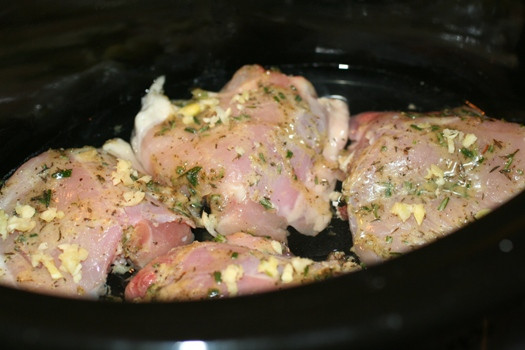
72, 74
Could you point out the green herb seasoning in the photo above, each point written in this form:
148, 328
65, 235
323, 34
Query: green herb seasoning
235, 255
467, 153
192, 175
443, 204
375, 208
265, 202
508, 163
62, 173
45, 198
388, 189
289, 154
220, 239
217, 276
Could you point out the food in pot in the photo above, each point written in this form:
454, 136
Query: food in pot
67, 215
236, 265
261, 154
415, 177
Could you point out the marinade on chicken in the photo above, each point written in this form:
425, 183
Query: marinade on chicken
415, 177
67, 215
261, 154
238, 264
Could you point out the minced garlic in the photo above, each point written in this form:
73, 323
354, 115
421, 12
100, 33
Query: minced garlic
122, 173
190, 110
71, 259
23, 221
469, 140
450, 135
87, 154
239, 150
230, 275
277, 247
47, 260
210, 222
3, 224
269, 266
132, 198
435, 171
481, 213
419, 213
145, 179
404, 211
51, 213
25, 211
287, 275
300, 265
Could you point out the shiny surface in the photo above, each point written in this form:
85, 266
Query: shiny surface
74, 74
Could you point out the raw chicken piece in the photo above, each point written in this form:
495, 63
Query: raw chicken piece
67, 215
261, 153
238, 265
413, 178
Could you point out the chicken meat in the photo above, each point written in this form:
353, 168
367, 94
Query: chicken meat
237, 264
414, 177
260, 155
67, 216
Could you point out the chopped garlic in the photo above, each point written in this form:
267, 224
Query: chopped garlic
71, 257
436, 171
481, 213
419, 213
22, 222
212, 121
187, 119
25, 211
51, 213
132, 198
190, 110
145, 179
240, 151
469, 140
269, 266
48, 262
210, 222
450, 135
404, 211
3, 224
277, 247
122, 173
87, 154
230, 275
287, 275
224, 115
300, 264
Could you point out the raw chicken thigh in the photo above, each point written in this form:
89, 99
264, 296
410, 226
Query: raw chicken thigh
260, 155
67, 215
238, 265
413, 178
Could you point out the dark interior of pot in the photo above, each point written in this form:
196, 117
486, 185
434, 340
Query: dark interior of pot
73, 74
